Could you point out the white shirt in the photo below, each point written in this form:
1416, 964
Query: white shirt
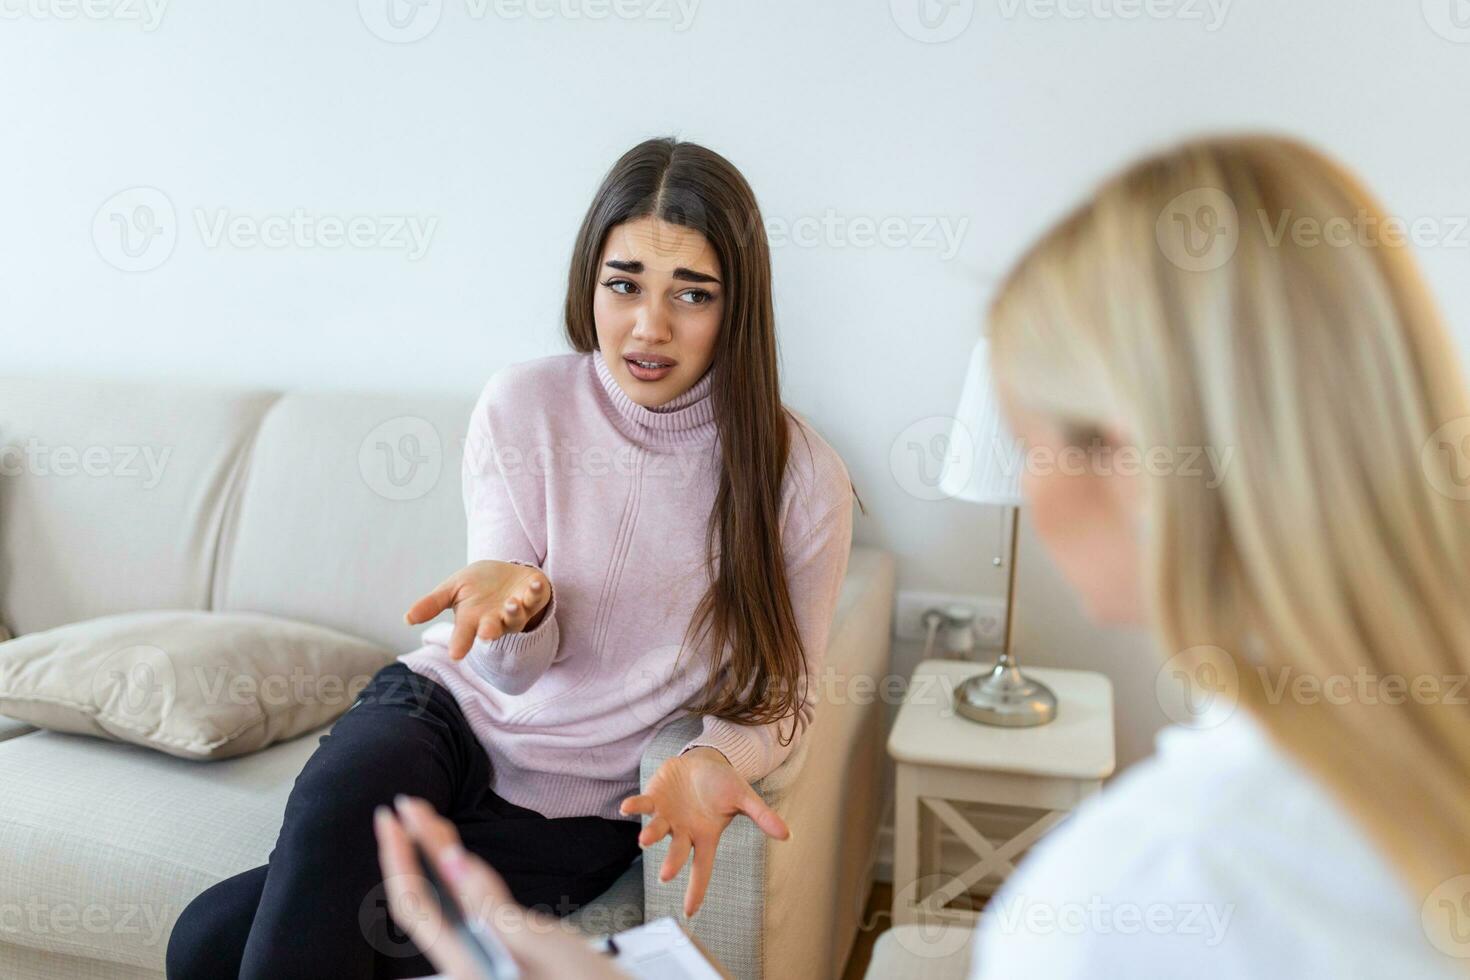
1217, 857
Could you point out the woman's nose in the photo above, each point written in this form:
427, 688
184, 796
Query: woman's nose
652, 325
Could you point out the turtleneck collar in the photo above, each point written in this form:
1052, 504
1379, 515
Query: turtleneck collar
687, 418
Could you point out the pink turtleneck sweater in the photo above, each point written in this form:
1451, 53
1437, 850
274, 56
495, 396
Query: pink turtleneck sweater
565, 472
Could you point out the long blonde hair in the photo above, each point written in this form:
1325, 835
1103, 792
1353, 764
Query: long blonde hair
1248, 294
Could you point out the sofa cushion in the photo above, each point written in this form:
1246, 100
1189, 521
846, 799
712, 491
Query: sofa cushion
24, 963
352, 510
112, 495
193, 684
10, 728
105, 842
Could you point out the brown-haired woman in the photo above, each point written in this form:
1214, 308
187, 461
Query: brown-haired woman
651, 533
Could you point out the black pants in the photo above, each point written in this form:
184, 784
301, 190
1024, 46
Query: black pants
318, 908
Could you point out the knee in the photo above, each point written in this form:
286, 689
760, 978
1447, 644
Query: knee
208, 940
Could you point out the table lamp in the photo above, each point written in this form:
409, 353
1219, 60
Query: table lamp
1004, 696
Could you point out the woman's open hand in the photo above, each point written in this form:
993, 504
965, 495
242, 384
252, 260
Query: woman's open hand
692, 799
489, 599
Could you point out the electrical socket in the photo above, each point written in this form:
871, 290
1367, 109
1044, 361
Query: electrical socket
990, 616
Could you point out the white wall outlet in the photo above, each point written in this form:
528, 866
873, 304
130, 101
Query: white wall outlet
989, 611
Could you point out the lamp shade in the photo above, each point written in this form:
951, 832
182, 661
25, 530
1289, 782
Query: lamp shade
984, 463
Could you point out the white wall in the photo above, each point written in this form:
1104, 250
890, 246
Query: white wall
497, 126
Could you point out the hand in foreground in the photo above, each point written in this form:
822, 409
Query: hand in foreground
542, 949
692, 799
489, 599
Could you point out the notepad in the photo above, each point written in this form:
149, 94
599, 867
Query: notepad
662, 950
657, 950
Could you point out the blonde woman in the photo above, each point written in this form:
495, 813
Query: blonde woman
1249, 295
1300, 828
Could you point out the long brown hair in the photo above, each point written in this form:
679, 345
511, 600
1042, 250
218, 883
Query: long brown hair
748, 606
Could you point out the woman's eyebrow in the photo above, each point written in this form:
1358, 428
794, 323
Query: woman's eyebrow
635, 267
689, 275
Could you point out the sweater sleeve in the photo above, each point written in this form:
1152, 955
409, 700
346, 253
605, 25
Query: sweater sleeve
503, 508
815, 568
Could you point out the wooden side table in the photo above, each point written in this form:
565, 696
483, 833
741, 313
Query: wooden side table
943, 759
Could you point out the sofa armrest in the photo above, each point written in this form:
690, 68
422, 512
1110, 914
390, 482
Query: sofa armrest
731, 922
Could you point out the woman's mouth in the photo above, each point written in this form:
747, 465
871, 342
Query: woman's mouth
648, 368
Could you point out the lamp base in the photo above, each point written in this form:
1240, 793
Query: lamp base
1005, 697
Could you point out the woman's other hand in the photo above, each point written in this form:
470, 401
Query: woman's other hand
489, 599
692, 799
543, 949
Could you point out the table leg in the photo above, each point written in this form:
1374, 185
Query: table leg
905, 845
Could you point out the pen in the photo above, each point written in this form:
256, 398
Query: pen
484, 946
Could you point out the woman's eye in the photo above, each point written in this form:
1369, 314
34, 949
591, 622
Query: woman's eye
696, 296
622, 286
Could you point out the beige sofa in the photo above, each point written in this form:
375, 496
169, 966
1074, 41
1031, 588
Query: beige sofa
336, 509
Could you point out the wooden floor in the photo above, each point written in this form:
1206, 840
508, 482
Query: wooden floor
877, 917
